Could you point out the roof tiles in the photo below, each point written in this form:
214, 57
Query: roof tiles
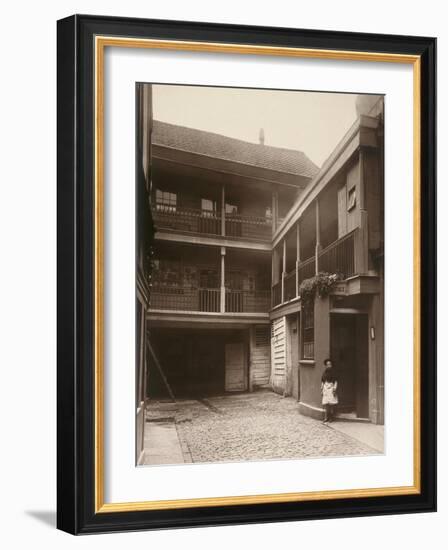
235, 150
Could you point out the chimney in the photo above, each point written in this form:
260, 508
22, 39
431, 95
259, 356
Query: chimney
261, 136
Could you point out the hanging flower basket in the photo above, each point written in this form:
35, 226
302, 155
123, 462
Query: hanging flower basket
319, 285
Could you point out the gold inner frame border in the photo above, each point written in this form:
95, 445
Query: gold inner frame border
100, 43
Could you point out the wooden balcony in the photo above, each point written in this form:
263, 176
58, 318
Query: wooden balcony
339, 257
247, 301
289, 285
177, 298
186, 219
190, 220
277, 294
306, 269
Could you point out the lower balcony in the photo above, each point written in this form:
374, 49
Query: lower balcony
247, 301
209, 300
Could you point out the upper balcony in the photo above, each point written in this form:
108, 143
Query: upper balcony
197, 221
202, 196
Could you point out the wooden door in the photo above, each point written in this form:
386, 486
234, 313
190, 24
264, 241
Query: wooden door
349, 351
235, 377
343, 354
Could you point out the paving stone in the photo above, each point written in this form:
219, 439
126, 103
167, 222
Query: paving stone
258, 426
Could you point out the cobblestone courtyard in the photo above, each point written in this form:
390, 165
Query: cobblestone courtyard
253, 426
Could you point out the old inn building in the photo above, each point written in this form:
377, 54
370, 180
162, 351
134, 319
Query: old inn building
238, 227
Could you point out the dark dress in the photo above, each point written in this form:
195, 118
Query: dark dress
329, 375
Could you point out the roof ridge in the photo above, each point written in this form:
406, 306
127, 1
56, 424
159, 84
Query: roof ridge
195, 140
231, 138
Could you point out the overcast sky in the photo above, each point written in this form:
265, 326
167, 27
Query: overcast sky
306, 121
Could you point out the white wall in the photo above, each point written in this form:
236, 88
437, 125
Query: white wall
27, 289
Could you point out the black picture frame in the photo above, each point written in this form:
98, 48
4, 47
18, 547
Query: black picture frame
76, 511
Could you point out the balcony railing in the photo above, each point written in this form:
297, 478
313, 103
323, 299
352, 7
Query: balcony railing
249, 227
339, 256
307, 269
187, 219
209, 223
247, 301
289, 282
208, 299
184, 299
277, 294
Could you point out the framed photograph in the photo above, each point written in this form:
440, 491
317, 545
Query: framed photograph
246, 274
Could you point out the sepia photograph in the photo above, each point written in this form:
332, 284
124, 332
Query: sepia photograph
259, 274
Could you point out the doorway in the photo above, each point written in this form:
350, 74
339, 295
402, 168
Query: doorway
235, 369
349, 352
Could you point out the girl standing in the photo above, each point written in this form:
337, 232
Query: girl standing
329, 388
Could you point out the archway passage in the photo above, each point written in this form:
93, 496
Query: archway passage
199, 363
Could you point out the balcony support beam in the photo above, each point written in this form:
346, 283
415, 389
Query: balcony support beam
222, 307
216, 240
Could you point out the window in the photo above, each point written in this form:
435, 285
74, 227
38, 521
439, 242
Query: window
166, 201
167, 273
308, 331
208, 278
234, 280
208, 208
231, 209
351, 202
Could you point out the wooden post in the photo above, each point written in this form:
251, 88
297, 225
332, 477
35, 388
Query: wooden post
273, 274
283, 270
223, 275
251, 351
317, 250
274, 267
159, 368
297, 256
274, 210
223, 211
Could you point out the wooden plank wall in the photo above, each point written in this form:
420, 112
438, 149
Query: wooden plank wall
260, 356
279, 354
